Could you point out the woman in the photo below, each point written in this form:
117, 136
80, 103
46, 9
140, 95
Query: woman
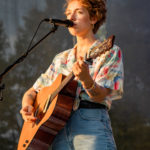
98, 83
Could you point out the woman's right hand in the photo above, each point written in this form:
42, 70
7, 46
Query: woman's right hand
27, 113
27, 110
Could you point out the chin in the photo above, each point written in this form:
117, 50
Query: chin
73, 33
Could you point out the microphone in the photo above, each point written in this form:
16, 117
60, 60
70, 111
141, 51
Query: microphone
58, 22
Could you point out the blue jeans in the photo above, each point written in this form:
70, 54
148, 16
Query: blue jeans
87, 129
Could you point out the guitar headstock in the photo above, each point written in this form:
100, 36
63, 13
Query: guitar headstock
102, 47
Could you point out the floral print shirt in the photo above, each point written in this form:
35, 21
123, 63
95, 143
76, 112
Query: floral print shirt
106, 70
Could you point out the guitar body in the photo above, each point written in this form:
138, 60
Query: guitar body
51, 119
39, 135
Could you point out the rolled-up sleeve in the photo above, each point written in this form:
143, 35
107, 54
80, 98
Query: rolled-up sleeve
111, 73
45, 79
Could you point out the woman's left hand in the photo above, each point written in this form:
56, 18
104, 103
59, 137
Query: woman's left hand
81, 70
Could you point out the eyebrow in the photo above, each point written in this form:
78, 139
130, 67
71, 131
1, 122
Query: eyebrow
69, 10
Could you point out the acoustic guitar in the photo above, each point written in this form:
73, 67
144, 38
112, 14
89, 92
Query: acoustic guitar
53, 107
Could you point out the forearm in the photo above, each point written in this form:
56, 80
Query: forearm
29, 97
95, 92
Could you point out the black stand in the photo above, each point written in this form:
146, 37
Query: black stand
20, 59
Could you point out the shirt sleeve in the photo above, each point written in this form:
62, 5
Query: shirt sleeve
111, 73
46, 79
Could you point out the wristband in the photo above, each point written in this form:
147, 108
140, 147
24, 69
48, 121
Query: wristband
91, 88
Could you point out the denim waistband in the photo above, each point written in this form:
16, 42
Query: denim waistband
88, 104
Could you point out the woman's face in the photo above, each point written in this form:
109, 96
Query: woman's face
80, 17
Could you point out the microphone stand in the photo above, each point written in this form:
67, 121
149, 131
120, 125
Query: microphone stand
21, 58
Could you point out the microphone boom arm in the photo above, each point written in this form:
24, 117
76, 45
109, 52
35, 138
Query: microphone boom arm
21, 58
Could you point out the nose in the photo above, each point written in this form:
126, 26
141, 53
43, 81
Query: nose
72, 17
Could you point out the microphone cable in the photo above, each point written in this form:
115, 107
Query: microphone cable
22, 57
35, 34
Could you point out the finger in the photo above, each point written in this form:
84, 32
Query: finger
28, 109
81, 62
76, 67
30, 118
81, 58
22, 112
27, 114
77, 70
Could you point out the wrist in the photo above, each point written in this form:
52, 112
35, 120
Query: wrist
88, 84
91, 87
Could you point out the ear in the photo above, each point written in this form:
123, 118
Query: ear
93, 20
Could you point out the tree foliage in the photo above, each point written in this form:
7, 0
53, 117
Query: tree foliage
130, 116
7, 125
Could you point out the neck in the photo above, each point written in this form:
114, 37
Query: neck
84, 43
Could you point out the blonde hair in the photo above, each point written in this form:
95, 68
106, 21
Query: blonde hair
96, 8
